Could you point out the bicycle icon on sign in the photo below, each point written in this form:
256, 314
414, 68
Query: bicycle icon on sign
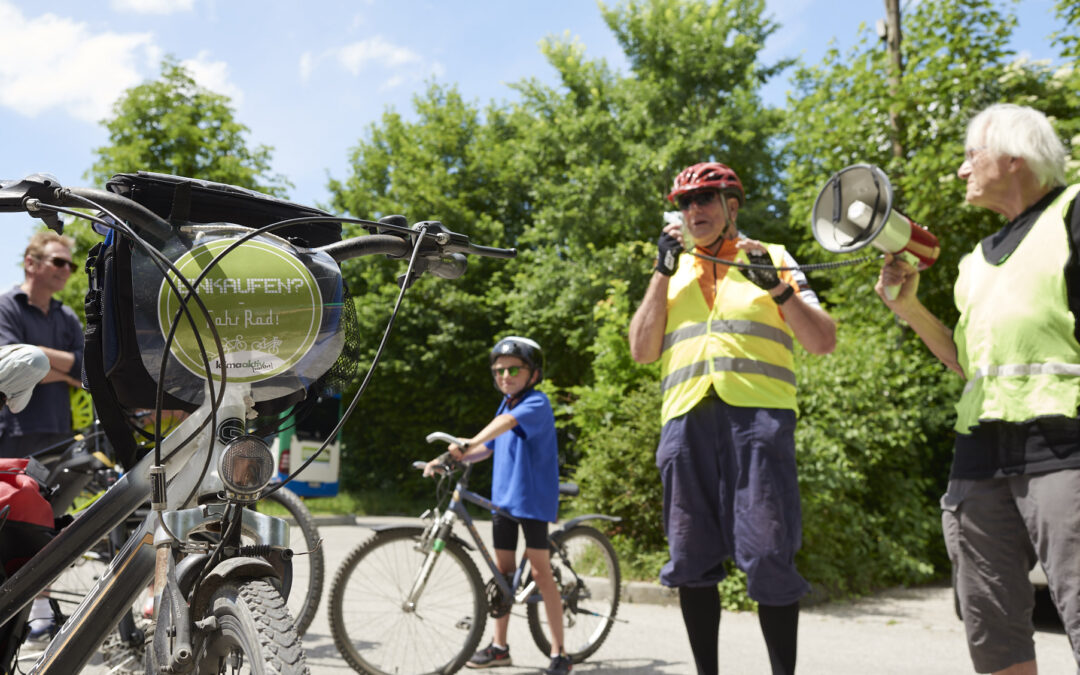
268, 345
235, 344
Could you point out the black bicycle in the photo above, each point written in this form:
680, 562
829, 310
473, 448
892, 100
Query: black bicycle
411, 600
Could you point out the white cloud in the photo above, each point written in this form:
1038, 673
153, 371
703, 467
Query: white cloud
214, 75
394, 64
152, 6
358, 55
49, 62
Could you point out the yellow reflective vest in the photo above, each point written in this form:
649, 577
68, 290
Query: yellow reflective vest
1015, 338
741, 347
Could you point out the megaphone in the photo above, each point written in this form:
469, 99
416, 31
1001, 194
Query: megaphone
855, 208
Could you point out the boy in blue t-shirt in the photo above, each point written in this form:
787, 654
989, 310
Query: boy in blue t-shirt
524, 482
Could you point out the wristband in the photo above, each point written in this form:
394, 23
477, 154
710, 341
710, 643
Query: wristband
785, 296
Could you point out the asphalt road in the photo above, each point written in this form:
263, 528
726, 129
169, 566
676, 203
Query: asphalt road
895, 632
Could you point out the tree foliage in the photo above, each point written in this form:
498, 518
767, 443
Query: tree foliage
172, 125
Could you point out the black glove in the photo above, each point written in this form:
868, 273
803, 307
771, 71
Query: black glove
764, 279
667, 258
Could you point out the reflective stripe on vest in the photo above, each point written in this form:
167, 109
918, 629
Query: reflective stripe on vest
742, 347
1015, 337
1016, 369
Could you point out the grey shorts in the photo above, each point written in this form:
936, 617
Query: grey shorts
995, 531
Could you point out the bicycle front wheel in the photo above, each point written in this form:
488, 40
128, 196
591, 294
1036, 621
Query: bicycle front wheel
254, 633
308, 570
587, 574
376, 630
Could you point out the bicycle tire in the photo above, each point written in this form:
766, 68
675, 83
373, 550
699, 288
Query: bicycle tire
303, 600
255, 633
589, 607
373, 630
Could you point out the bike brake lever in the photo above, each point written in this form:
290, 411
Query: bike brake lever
20, 195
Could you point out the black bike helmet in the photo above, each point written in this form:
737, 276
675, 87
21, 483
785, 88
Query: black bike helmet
525, 349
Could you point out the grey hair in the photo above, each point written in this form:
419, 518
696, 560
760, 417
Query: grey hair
1020, 131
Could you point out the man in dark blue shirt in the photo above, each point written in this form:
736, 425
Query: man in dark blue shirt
29, 314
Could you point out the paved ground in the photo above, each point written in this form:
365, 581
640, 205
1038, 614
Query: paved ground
897, 632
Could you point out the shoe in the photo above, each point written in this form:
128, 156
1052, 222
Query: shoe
560, 665
489, 657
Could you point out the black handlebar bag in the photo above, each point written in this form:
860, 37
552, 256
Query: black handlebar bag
261, 298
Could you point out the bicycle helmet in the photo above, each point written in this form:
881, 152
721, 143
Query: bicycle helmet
523, 348
708, 175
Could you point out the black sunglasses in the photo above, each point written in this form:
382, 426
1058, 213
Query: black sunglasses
512, 371
701, 198
57, 261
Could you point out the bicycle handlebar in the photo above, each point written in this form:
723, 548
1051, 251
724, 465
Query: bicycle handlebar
441, 436
31, 192
442, 250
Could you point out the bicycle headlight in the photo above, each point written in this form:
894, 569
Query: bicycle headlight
247, 465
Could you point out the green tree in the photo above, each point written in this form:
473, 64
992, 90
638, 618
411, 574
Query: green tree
172, 125
574, 176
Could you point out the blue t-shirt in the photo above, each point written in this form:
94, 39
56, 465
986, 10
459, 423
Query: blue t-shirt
525, 475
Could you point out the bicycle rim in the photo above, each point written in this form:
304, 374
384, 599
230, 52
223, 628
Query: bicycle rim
587, 573
377, 634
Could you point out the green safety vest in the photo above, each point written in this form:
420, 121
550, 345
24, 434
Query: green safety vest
1015, 339
741, 347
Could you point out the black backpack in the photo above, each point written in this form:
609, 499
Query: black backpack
113, 368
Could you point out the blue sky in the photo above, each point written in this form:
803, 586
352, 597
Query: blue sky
308, 78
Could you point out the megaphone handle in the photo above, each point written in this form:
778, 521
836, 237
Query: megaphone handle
892, 291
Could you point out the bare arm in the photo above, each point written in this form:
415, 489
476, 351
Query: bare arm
813, 327
477, 450
55, 375
936, 335
58, 359
650, 320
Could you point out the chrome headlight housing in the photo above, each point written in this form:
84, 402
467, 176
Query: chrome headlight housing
246, 467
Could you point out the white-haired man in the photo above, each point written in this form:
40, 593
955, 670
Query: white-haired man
1014, 488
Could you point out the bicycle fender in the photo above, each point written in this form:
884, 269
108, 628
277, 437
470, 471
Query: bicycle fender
574, 522
243, 568
419, 530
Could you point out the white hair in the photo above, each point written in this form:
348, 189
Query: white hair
1020, 131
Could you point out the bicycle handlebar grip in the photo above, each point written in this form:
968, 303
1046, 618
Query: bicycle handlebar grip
372, 244
441, 436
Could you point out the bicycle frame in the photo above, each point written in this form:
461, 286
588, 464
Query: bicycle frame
441, 529
455, 510
135, 565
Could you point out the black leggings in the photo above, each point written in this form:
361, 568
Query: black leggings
701, 614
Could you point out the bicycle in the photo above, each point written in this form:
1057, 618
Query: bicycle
411, 600
220, 570
84, 468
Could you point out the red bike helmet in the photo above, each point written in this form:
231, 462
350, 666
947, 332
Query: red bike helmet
708, 175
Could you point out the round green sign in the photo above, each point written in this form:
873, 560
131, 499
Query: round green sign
264, 302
